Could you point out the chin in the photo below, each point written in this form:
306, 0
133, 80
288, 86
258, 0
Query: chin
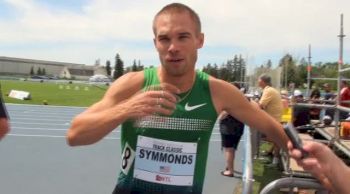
176, 72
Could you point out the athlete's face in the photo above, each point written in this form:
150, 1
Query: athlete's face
177, 41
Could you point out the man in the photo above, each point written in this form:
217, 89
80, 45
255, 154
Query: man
328, 95
344, 96
4, 124
331, 171
271, 102
167, 113
315, 97
301, 115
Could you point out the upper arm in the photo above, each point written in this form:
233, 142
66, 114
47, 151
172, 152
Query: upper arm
121, 89
228, 98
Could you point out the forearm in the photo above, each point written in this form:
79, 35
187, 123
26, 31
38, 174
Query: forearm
268, 126
277, 134
90, 127
273, 130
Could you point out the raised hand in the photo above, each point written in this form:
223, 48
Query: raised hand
159, 99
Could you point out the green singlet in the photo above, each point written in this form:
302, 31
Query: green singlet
168, 154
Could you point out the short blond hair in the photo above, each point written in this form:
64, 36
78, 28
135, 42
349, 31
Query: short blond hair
178, 8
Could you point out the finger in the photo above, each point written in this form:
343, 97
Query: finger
310, 162
162, 94
290, 145
166, 103
159, 110
170, 88
152, 88
169, 96
314, 147
141, 111
296, 154
163, 86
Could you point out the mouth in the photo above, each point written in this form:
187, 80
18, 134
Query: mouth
175, 60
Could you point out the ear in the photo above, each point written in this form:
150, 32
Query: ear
200, 41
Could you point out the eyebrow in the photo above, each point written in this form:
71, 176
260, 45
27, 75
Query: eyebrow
185, 33
180, 34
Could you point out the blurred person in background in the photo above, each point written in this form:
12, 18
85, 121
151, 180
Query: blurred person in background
344, 96
231, 131
314, 97
271, 103
4, 124
330, 96
301, 114
285, 99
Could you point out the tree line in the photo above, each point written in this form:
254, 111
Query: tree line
294, 70
119, 70
39, 71
233, 70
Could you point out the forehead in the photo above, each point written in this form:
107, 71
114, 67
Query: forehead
181, 22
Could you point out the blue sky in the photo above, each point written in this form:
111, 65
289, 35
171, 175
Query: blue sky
81, 31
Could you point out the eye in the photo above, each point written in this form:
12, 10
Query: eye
183, 37
163, 39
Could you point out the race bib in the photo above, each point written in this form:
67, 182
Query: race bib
165, 162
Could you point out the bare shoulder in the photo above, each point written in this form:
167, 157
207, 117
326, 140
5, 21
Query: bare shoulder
218, 84
223, 93
121, 89
125, 86
221, 87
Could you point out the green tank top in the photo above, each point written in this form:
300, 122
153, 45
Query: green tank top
168, 154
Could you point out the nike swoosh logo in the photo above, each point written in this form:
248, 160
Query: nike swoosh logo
189, 108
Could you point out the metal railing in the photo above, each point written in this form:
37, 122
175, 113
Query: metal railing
247, 176
292, 182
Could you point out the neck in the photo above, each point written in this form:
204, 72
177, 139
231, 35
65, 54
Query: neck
183, 82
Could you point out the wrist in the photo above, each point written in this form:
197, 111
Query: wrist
121, 112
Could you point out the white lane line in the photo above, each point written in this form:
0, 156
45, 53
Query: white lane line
42, 116
48, 136
46, 106
42, 113
38, 123
32, 119
49, 129
46, 109
26, 135
41, 129
61, 136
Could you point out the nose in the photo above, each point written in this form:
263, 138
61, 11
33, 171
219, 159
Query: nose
173, 47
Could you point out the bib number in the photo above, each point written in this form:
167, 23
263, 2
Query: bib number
128, 157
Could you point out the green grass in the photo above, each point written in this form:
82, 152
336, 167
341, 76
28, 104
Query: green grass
54, 93
263, 175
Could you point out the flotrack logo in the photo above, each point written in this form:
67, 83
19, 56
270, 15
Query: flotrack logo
163, 178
